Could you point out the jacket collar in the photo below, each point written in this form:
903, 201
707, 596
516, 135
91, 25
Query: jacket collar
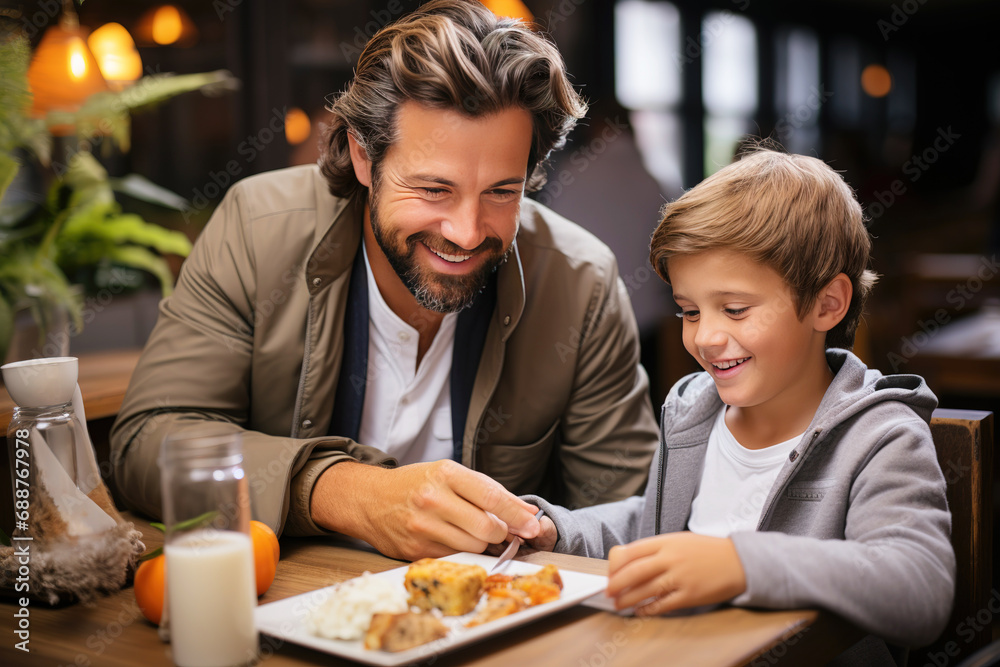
337, 243
510, 291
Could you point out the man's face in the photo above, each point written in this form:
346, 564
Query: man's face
444, 202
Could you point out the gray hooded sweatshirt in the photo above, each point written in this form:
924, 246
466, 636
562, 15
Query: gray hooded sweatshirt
856, 522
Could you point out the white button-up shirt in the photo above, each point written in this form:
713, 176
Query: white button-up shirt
407, 410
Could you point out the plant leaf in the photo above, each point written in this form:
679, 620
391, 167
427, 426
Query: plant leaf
8, 170
141, 258
105, 223
13, 214
6, 334
197, 522
160, 87
88, 181
142, 188
151, 555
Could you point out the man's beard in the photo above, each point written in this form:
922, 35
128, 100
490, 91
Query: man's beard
441, 293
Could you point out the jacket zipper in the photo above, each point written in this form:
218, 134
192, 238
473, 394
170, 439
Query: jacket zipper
659, 475
766, 514
307, 351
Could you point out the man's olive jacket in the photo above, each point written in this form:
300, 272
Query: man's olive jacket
253, 336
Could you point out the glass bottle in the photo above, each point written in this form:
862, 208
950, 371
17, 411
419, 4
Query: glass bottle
49, 453
211, 589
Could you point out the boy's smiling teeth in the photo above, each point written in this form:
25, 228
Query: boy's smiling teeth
723, 365
449, 258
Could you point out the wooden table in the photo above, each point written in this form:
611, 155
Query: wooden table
104, 377
114, 633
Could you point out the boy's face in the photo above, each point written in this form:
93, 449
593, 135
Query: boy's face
740, 324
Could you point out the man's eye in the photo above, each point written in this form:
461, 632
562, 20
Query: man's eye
689, 315
736, 312
433, 192
504, 194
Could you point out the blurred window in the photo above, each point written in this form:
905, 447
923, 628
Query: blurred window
845, 61
729, 84
648, 69
798, 95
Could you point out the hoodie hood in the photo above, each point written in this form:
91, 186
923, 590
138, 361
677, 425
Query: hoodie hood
855, 388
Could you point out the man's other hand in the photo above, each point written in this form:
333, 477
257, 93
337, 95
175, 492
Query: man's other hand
419, 510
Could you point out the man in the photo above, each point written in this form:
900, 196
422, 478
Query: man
407, 306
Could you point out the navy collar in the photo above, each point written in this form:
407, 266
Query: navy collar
470, 336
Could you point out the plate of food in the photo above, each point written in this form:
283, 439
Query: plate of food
424, 609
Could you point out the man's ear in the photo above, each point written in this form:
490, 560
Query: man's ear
832, 303
359, 158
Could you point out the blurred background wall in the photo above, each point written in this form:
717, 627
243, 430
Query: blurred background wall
901, 96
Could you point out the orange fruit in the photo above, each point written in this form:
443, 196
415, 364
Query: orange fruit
149, 576
265, 555
149, 587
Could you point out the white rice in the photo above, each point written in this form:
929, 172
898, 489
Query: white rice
347, 613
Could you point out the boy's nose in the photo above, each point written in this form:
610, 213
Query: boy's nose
709, 336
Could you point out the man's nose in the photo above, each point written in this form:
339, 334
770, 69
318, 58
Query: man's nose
464, 226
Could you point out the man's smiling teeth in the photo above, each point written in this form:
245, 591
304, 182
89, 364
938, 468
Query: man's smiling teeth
723, 365
450, 258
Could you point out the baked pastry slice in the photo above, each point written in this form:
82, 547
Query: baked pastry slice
454, 588
399, 632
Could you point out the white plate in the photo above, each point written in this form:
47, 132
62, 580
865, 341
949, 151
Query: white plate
286, 619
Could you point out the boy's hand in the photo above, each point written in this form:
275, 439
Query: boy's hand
547, 537
674, 571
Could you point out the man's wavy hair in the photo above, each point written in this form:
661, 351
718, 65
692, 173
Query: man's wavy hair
792, 213
450, 54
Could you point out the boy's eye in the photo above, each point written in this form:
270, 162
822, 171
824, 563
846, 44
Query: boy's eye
689, 315
736, 312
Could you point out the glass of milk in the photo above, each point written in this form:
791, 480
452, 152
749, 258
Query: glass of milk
211, 590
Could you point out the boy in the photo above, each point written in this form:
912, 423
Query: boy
798, 476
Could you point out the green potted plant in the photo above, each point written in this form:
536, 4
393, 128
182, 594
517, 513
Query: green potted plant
80, 227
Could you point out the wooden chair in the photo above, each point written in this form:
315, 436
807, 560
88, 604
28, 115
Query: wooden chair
964, 442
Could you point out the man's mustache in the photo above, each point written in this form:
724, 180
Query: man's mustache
443, 245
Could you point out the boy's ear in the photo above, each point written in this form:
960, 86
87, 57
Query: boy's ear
832, 303
359, 158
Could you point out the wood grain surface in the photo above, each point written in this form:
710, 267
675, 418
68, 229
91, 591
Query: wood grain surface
114, 633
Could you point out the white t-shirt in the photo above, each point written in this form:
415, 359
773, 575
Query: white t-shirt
735, 482
407, 410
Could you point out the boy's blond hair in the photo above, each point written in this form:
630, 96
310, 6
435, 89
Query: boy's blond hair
791, 213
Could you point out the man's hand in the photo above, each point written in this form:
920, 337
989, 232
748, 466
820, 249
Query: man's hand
674, 571
419, 510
